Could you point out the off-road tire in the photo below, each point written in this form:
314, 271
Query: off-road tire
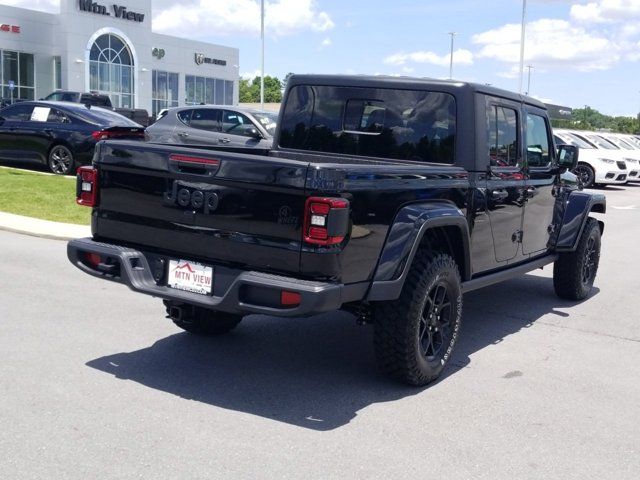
208, 322
586, 175
400, 325
574, 272
60, 160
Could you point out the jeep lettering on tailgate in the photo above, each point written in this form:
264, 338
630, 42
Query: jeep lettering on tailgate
192, 198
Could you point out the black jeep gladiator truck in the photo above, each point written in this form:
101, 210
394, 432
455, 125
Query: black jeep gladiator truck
387, 197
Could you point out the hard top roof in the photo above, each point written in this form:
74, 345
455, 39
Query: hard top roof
380, 81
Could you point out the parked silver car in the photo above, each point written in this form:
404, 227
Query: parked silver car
214, 125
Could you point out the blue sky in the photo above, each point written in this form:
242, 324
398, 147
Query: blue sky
581, 52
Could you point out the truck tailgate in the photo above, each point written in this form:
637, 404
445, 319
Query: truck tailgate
208, 205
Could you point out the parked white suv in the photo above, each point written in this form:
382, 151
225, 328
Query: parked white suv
596, 166
630, 152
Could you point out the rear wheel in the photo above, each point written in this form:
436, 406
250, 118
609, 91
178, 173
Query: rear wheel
585, 175
202, 321
415, 335
575, 272
61, 160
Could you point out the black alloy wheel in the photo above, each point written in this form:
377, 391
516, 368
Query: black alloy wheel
61, 160
436, 322
586, 175
590, 265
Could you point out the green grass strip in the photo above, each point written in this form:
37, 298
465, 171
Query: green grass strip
41, 196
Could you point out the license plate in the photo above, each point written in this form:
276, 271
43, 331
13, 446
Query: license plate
190, 276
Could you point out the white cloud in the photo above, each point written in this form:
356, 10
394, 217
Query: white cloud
606, 11
549, 43
325, 43
282, 17
252, 75
460, 57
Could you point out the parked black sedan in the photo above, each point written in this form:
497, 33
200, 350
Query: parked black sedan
59, 134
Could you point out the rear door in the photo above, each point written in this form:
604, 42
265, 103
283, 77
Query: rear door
235, 209
505, 178
200, 127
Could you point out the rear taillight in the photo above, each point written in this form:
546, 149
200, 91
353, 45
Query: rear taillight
87, 186
109, 134
326, 220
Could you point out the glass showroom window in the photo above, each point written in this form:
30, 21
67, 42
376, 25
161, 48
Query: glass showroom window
165, 90
214, 91
111, 70
18, 68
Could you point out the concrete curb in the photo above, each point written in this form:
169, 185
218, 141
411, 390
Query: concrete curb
42, 228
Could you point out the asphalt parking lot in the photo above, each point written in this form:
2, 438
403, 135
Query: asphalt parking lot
95, 383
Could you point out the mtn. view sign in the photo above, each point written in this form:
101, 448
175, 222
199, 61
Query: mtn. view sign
118, 11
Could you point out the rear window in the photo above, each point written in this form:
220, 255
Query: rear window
401, 124
63, 96
102, 116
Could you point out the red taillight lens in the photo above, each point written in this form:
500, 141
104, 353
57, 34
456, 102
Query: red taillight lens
326, 220
87, 186
290, 299
108, 134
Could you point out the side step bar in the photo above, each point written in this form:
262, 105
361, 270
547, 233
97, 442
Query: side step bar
510, 272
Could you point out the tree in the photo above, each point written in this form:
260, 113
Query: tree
250, 92
588, 118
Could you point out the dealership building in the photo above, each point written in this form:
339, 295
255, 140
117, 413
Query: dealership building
111, 48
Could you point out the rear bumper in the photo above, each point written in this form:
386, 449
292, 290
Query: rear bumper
234, 291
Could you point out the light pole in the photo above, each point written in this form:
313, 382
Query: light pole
524, 17
262, 55
528, 80
453, 34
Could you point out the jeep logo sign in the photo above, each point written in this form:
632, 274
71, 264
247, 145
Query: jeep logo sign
192, 198
118, 11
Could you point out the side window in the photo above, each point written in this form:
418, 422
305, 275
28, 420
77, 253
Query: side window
184, 116
17, 113
537, 141
56, 116
502, 136
205, 119
236, 123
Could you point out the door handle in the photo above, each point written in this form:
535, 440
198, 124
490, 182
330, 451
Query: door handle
224, 140
499, 194
183, 134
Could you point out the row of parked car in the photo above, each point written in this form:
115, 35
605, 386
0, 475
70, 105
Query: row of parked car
605, 158
63, 134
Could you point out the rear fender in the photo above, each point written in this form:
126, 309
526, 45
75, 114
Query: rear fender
576, 212
409, 227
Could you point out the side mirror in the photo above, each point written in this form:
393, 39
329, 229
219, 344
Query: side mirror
255, 133
567, 157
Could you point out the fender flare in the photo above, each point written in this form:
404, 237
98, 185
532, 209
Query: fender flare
409, 227
576, 212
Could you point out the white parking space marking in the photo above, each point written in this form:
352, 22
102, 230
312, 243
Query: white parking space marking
627, 207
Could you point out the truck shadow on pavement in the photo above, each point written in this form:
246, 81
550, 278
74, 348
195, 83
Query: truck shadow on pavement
317, 372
